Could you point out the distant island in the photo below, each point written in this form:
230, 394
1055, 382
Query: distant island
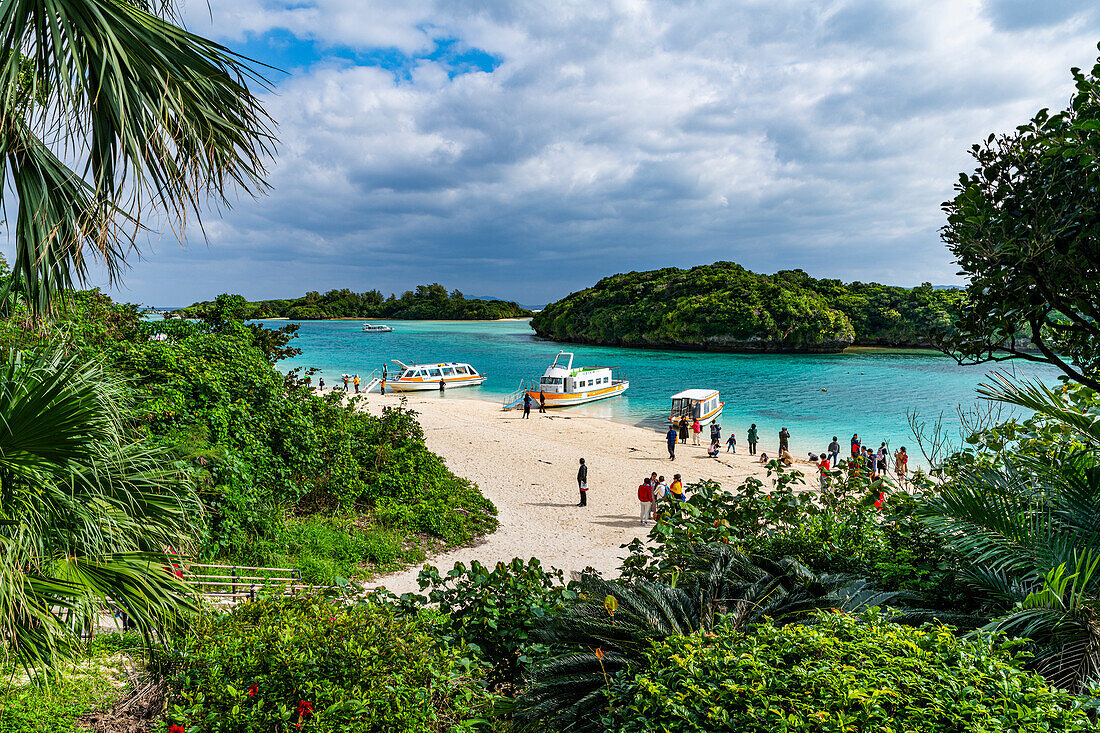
724, 307
427, 302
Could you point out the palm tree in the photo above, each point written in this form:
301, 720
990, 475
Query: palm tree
156, 120
1029, 531
615, 622
85, 514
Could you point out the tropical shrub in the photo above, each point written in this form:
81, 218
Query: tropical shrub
839, 673
853, 526
612, 624
87, 513
495, 612
1024, 521
307, 663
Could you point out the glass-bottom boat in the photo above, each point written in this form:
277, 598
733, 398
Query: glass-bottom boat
421, 377
562, 385
703, 405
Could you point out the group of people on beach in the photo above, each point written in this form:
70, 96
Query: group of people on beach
652, 489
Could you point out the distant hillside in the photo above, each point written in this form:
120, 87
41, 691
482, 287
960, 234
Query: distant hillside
725, 307
427, 302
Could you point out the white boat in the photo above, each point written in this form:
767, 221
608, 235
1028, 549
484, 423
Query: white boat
422, 377
375, 328
563, 385
703, 405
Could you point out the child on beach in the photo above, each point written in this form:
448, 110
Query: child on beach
763, 458
731, 444
645, 497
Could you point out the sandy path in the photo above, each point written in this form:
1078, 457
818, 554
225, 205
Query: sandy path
528, 469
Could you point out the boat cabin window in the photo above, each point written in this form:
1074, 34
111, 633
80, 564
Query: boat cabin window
460, 370
433, 373
448, 371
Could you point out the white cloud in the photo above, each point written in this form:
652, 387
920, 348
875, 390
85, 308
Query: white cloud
622, 135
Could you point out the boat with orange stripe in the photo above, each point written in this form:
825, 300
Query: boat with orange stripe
563, 385
421, 377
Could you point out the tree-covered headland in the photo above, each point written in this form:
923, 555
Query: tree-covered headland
427, 302
724, 307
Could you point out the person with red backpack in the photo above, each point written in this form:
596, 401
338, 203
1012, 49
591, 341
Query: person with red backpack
645, 496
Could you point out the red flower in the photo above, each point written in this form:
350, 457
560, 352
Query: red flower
253, 690
176, 729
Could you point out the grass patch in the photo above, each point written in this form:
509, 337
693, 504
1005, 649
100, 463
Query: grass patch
95, 680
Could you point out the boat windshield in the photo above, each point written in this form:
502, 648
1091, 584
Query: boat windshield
551, 380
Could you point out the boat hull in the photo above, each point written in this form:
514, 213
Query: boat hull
399, 385
705, 419
566, 399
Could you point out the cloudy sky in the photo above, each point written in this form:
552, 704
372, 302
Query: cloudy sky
524, 149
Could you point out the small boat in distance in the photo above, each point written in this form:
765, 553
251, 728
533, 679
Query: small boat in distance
423, 377
375, 328
696, 404
563, 385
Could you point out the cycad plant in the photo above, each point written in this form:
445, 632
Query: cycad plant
110, 114
86, 515
615, 622
1028, 530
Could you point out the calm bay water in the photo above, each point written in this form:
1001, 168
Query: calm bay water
868, 391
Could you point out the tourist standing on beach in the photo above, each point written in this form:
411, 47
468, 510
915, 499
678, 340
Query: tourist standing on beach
542, 402
346, 379
582, 478
382, 384
753, 437
855, 446
696, 428
824, 467
442, 385
355, 381
784, 437
834, 452
670, 438
645, 498
731, 444
660, 489
683, 430
716, 431
901, 463
881, 458
321, 384
527, 409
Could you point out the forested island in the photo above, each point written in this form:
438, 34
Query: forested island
427, 302
724, 307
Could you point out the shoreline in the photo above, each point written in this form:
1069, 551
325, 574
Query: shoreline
527, 468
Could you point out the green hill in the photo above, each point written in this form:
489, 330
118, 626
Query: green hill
427, 302
724, 307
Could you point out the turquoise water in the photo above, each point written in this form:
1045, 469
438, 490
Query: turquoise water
868, 391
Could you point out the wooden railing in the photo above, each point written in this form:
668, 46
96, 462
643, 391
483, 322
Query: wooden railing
235, 582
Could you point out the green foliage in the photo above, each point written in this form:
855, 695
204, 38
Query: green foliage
496, 611
359, 667
93, 680
611, 625
725, 307
427, 302
838, 530
266, 454
86, 512
839, 674
164, 117
1023, 519
1023, 228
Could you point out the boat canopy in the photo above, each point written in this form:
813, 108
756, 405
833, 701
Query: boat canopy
695, 394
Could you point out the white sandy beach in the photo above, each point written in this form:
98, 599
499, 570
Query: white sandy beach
528, 469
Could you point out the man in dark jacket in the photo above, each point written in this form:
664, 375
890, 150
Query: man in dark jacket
582, 483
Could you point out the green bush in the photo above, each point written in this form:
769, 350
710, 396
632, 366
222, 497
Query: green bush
305, 663
495, 611
842, 674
